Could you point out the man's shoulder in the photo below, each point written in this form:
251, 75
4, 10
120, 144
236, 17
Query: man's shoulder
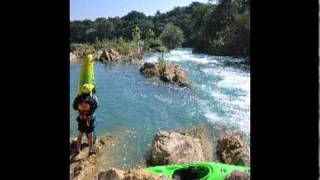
94, 96
87, 97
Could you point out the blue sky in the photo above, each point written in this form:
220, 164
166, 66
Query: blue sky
92, 9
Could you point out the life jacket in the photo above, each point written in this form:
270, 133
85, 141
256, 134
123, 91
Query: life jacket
85, 104
84, 111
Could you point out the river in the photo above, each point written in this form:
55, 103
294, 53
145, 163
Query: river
136, 108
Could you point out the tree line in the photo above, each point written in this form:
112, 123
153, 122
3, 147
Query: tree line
220, 29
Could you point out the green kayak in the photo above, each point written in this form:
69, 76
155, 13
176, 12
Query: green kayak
86, 77
201, 170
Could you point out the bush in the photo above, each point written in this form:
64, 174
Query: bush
82, 49
155, 43
73, 47
119, 44
162, 63
146, 45
122, 46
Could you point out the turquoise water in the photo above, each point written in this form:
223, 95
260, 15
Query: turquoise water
136, 107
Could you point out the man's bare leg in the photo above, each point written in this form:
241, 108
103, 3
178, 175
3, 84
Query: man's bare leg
90, 142
79, 140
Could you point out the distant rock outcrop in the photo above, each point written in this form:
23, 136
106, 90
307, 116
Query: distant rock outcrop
166, 72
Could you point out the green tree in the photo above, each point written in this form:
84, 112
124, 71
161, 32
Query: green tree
149, 35
200, 15
136, 33
91, 35
145, 25
105, 28
172, 36
219, 27
223, 28
77, 32
237, 41
134, 16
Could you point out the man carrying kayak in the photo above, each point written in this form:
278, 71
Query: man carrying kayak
86, 103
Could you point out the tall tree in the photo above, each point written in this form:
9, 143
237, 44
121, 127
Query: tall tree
172, 36
149, 34
105, 28
136, 33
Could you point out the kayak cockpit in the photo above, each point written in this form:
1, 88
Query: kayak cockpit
191, 173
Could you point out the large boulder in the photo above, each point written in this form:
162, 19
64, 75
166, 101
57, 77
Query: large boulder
174, 74
98, 54
110, 55
168, 73
231, 150
112, 174
114, 55
237, 175
106, 55
150, 69
173, 148
180, 77
137, 174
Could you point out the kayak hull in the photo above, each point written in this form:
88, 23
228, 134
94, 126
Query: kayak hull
86, 72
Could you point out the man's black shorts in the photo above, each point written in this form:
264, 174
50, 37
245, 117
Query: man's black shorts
83, 125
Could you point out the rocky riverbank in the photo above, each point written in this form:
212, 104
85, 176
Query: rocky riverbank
168, 147
135, 174
113, 51
85, 167
132, 52
73, 58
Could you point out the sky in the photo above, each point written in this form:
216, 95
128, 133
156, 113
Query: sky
92, 9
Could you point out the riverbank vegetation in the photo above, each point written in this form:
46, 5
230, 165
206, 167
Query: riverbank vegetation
221, 28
